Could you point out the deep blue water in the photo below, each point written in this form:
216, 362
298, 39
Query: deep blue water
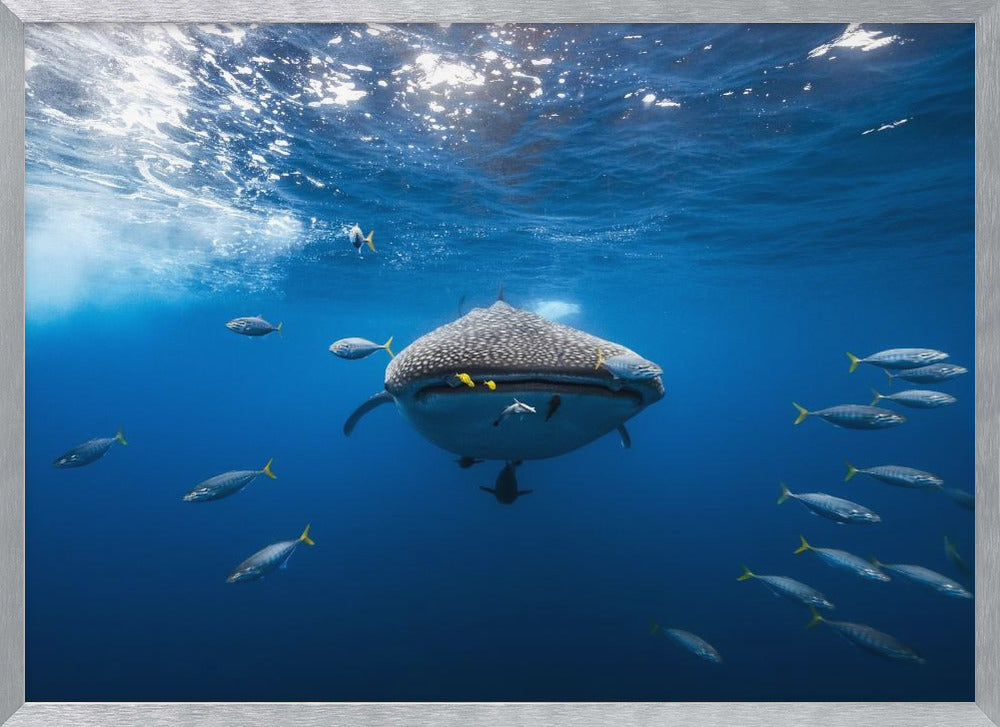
741, 204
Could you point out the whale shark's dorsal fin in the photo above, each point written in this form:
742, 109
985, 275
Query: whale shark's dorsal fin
382, 397
500, 294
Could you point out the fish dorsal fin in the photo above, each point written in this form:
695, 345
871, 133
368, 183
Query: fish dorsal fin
500, 294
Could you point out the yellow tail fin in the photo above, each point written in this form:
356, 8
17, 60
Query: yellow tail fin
854, 362
746, 574
948, 545
368, 240
278, 329
802, 413
804, 547
267, 469
878, 397
784, 492
816, 618
600, 358
653, 627
120, 436
386, 347
851, 471
304, 538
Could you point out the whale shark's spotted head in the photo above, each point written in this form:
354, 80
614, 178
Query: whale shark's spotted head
453, 383
507, 345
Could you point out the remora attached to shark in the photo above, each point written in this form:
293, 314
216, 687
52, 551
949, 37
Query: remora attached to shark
530, 359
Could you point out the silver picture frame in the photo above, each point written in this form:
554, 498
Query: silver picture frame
14, 14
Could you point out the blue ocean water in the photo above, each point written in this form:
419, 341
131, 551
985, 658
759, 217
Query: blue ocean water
741, 204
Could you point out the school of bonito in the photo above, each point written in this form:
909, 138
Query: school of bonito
918, 365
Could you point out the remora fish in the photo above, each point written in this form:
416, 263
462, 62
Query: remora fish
252, 326
789, 588
517, 408
926, 577
505, 489
869, 639
531, 359
899, 358
226, 484
88, 452
269, 559
846, 561
853, 416
554, 404
916, 398
929, 374
832, 508
691, 642
894, 474
355, 348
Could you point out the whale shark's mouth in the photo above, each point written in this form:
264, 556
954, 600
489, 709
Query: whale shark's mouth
532, 384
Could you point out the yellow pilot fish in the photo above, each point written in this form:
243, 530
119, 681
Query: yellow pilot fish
466, 379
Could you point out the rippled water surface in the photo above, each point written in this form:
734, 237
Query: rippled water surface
739, 203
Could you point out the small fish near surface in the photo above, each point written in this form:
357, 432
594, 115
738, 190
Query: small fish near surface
789, 588
916, 398
505, 489
254, 326
929, 374
832, 508
844, 560
951, 551
899, 358
691, 642
226, 484
268, 560
962, 498
867, 638
893, 474
853, 416
355, 348
88, 452
927, 578
518, 409
358, 239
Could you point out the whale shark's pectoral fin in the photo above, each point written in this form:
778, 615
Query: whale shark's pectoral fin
524, 492
488, 489
626, 439
382, 397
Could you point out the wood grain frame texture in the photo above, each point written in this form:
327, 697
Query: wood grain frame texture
14, 14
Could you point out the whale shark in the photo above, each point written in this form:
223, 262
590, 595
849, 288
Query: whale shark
509, 354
